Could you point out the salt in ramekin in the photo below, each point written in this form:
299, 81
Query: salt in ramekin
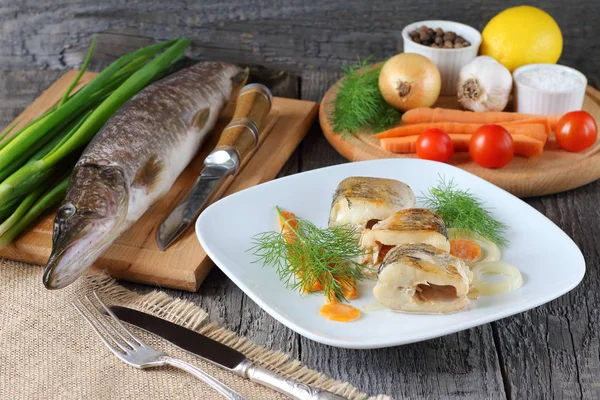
448, 61
531, 100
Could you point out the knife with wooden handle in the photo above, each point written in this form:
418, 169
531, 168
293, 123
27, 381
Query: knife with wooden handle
238, 138
220, 355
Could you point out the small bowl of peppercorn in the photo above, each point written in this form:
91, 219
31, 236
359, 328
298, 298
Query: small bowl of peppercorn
450, 45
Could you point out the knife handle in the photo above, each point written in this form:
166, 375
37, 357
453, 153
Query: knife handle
289, 387
242, 133
225, 391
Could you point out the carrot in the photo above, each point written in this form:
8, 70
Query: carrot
429, 115
340, 312
290, 235
524, 145
535, 130
348, 289
316, 287
465, 249
532, 121
291, 219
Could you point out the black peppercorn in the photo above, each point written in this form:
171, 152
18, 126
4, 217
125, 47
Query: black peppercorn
437, 38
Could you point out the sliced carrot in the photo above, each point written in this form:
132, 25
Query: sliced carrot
428, 115
290, 235
527, 147
524, 145
340, 312
408, 144
465, 249
291, 219
311, 288
535, 130
535, 133
349, 288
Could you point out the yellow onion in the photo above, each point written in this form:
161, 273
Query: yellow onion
409, 81
512, 278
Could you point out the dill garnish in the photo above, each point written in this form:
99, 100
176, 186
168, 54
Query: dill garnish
327, 256
460, 209
359, 103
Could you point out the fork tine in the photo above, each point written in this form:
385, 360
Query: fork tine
100, 335
118, 321
112, 327
103, 325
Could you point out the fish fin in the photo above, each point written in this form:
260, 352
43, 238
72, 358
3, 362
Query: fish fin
200, 119
239, 80
148, 176
237, 83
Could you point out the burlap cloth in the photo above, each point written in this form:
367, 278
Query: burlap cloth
47, 351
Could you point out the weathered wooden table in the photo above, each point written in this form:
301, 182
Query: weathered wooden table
552, 351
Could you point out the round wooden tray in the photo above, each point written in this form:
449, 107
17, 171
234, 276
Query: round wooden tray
554, 171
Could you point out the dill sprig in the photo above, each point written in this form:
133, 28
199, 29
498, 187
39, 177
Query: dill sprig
359, 104
327, 256
460, 209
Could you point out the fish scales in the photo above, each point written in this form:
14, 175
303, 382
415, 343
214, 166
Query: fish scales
133, 161
168, 105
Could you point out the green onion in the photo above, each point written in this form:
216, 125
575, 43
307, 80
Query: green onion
22, 209
9, 130
74, 105
48, 200
88, 58
8, 208
47, 148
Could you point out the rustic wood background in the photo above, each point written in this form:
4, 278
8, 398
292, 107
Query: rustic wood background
289, 35
552, 351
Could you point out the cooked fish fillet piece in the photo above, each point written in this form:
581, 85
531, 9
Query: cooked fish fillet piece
422, 278
413, 225
359, 200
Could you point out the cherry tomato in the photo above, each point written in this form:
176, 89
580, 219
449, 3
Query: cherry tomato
435, 144
576, 131
491, 146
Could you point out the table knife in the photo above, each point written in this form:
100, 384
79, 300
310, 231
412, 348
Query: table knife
220, 355
238, 138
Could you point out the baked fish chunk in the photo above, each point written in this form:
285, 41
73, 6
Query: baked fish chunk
422, 278
413, 225
361, 201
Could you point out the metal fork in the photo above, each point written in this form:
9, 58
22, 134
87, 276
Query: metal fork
131, 350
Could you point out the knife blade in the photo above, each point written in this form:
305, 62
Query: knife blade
220, 355
238, 138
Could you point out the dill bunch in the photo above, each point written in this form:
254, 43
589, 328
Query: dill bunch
460, 209
327, 256
359, 103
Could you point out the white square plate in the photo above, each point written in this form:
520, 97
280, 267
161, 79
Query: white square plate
549, 260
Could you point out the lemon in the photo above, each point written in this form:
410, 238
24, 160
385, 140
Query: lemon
522, 35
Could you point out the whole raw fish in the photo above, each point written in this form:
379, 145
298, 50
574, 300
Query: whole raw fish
133, 161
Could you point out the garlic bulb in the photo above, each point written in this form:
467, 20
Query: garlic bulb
484, 85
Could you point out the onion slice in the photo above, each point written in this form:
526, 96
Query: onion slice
513, 281
489, 250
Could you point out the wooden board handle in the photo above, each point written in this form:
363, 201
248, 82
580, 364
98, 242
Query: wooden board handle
252, 106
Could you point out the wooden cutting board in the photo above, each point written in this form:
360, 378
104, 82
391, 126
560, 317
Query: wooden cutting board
135, 256
554, 171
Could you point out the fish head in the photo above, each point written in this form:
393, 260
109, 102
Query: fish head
90, 218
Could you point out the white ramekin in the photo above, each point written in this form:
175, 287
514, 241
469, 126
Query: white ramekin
530, 100
448, 61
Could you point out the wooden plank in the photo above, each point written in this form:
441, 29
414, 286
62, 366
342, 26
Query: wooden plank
553, 351
134, 255
462, 365
292, 35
